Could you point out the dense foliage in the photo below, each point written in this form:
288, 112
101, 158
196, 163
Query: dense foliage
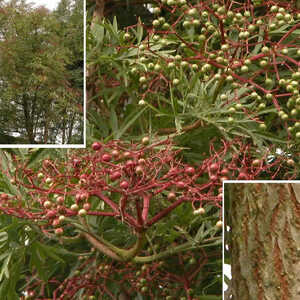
178, 101
41, 65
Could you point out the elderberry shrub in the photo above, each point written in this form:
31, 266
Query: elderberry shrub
234, 66
143, 188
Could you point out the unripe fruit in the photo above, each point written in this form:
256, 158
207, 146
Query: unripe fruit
156, 10
139, 170
199, 211
219, 224
256, 163
76, 162
244, 69
213, 177
50, 214
61, 218
224, 172
129, 163
126, 154
242, 176
171, 196
48, 180
262, 126
40, 175
290, 162
82, 212
3, 196
87, 206
263, 63
143, 79
115, 175
127, 36
214, 167
145, 140
124, 184
78, 197
190, 171
47, 204
59, 231
56, 222
171, 65
96, 146
84, 196
74, 207
192, 261
106, 157
175, 81
180, 184
60, 200
141, 161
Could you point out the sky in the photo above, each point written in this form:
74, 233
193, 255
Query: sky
50, 4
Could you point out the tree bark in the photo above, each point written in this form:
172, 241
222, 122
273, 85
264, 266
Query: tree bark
99, 11
265, 241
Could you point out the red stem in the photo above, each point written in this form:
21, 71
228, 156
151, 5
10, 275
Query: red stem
164, 212
146, 207
113, 205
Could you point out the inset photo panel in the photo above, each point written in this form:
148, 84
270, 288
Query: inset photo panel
41, 73
261, 248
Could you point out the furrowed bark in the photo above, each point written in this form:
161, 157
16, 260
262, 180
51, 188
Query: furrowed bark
265, 245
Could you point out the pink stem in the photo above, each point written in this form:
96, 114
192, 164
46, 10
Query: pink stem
146, 207
113, 205
164, 212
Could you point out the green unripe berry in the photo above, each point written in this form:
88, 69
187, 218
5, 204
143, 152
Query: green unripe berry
171, 65
176, 81
156, 10
269, 96
265, 49
143, 79
155, 23
229, 78
244, 69
263, 63
262, 126
157, 67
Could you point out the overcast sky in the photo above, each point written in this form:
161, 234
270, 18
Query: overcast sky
50, 4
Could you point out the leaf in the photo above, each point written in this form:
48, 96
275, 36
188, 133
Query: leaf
113, 120
130, 120
38, 154
4, 268
139, 34
98, 32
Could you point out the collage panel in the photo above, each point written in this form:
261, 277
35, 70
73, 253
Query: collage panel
41, 73
261, 240
184, 102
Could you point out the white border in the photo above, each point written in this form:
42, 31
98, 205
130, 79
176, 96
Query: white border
2, 146
223, 215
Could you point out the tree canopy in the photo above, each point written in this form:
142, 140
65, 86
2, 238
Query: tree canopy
41, 74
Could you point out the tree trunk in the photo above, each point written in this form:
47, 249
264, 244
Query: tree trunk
265, 241
98, 12
28, 120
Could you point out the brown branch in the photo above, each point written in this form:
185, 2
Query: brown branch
197, 124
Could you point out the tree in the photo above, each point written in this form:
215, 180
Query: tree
117, 214
264, 234
39, 101
171, 115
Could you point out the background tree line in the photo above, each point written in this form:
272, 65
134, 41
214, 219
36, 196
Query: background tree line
41, 73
